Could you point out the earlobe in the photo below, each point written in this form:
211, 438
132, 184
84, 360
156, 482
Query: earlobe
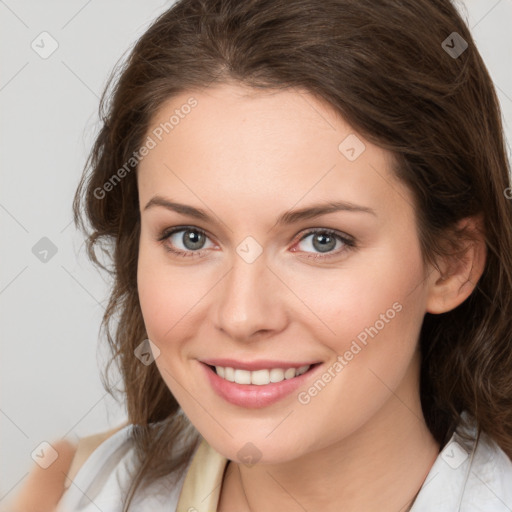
458, 275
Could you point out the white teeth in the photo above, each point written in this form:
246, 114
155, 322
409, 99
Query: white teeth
229, 374
289, 373
276, 375
259, 377
242, 377
303, 369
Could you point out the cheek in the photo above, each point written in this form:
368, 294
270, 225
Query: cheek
374, 315
160, 297
371, 310
170, 296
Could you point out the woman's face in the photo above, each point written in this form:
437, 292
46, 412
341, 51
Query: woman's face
251, 283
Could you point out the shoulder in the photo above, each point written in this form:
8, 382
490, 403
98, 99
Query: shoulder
108, 477
43, 488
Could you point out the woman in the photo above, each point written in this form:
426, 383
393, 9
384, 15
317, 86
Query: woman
311, 245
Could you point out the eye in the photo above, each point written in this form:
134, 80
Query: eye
325, 241
189, 243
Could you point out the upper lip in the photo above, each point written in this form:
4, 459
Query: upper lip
262, 364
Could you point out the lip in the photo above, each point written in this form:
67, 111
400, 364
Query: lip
252, 396
262, 364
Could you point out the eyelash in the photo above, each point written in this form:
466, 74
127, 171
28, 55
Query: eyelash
349, 242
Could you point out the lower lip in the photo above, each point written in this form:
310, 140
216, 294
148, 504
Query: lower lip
252, 396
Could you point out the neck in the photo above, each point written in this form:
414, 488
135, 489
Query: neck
381, 467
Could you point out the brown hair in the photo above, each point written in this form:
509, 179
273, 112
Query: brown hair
382, 66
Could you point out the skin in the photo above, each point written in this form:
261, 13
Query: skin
42, 488
246, 157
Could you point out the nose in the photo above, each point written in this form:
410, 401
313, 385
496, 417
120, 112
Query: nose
251, 302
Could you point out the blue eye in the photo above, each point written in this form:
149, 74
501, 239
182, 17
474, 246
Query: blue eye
192, 239
326, 241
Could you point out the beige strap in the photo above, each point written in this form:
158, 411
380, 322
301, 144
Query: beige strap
203, 481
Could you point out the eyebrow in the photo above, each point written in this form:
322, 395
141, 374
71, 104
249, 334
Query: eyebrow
289, 217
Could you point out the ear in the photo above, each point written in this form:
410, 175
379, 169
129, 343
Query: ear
457, 276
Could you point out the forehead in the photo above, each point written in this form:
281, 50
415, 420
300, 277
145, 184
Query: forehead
262, 149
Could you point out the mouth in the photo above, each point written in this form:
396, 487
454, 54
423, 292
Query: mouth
254, 389
261, 377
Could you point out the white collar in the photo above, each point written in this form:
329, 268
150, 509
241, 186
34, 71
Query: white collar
473, 476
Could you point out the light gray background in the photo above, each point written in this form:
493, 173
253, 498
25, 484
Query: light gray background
51, 311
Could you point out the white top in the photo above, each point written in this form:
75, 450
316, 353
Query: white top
464, 478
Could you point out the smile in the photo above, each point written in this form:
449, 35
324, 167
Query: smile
259, 377
259, 387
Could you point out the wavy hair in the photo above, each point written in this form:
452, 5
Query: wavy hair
382, 65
